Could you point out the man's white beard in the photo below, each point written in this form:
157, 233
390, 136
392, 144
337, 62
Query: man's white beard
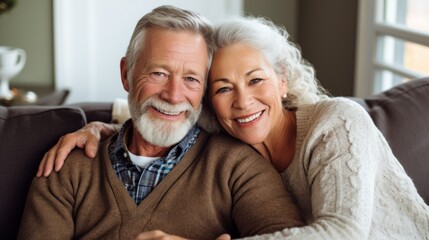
162, 133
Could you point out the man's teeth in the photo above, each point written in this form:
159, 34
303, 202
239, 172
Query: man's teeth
250, 118
169, 113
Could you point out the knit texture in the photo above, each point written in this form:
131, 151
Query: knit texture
220, 185
347, 181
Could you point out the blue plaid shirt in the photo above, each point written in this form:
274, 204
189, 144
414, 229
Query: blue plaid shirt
140, 182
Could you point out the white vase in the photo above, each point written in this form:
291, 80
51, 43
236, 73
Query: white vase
12, 60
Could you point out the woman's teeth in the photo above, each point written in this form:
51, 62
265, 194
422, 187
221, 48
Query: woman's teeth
250, 118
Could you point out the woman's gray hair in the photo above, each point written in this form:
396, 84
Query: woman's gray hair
283, 55
171, 18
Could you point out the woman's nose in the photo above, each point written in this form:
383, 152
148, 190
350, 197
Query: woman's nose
242, 100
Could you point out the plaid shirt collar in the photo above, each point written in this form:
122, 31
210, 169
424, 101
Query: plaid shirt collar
140, 182
119, 147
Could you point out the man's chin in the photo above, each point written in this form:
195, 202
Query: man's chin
164, 141
162, 133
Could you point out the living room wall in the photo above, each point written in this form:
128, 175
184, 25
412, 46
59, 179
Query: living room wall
283, 12
327, 35
29, 26
326, 31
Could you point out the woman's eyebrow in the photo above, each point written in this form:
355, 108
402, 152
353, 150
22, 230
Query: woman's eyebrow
254, 70
223, 80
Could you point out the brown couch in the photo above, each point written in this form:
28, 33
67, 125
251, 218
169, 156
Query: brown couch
26, 133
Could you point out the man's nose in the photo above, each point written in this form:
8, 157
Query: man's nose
173, 91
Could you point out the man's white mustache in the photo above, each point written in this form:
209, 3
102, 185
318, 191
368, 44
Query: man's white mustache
167, 108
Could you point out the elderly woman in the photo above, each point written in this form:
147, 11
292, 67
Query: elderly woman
333, 159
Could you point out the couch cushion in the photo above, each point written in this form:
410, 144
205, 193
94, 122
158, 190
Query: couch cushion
402, 115
96, 111
26, 133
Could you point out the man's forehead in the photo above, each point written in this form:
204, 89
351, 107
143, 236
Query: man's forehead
167, 47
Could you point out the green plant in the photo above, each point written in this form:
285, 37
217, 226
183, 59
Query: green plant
6, 5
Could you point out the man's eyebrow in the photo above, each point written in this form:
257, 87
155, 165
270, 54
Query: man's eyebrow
157, 66
193, 72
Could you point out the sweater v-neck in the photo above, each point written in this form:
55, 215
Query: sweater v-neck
126, 205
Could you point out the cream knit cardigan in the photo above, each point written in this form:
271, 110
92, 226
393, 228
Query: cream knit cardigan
347, 181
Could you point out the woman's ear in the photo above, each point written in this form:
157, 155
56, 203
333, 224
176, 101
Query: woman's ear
283, 82
124, 74
283, 87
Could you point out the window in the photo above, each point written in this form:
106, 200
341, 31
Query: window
393, 44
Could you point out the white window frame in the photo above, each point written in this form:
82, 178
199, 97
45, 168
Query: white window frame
369, 27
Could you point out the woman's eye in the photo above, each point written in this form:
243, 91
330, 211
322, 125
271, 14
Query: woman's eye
223, 90
159, 75
255, 80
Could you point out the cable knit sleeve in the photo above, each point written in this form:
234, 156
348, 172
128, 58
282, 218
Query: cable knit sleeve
338, 165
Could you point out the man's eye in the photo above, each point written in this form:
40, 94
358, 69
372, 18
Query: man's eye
191, 79
159, 75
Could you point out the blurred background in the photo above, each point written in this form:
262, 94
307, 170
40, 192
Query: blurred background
358, 48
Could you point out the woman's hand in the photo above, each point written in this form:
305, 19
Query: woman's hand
160, 235
86, 138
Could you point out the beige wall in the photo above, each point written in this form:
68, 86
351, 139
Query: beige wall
29, 26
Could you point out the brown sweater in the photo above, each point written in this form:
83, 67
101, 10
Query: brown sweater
220, 186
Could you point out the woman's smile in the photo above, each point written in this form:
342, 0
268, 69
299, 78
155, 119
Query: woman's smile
249, 119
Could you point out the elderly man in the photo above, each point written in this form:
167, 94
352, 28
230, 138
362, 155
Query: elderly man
161, 171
